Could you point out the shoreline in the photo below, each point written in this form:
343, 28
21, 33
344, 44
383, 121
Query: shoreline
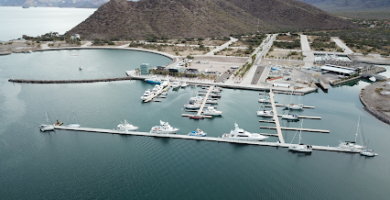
374, 112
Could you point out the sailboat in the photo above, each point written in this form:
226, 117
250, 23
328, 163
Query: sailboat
75, 124
300, 147
292, 106
48, 126
352, 144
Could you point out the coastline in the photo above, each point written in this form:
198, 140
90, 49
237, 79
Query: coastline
370, 109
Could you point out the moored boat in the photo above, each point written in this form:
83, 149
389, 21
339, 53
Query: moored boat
198, 133
153, 80
265, 113
212, 111
48, 126
146, 95
164, 128
125, 126
241, 134
300, 147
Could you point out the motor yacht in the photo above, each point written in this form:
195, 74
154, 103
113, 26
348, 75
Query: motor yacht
212, 101
146, 95
125, 126
153, 80
240, 134
265, 113
198, 133
176, 84
212, 111
292, 106
192, 104
164, 128
265, 100
290, 117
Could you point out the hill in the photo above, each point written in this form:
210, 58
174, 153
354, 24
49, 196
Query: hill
202, 18
350, 5
55, 3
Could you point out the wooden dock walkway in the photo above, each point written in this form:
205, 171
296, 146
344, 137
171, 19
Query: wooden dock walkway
282, 105
278, 129
157, 94
296, 129
69, 81
204, 100
305, 117
210, 139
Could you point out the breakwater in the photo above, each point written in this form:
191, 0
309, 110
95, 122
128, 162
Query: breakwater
69, 81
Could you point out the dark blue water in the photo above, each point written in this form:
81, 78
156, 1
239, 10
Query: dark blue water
78, 165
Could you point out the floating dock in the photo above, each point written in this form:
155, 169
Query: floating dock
306, 117
157, 94
210, 139
297, 129
282, 105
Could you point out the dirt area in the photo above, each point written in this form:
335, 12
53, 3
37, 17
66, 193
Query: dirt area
379, 103
20, 46
282, 62
234, 52
206, 42
238, 43
285, 54
287, 38
219, 64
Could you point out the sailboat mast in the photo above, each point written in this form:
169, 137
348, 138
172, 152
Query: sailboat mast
357, 130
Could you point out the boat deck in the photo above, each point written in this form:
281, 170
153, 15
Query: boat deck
211, 139
157, 94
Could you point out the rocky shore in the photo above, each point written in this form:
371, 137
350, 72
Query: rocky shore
376, 100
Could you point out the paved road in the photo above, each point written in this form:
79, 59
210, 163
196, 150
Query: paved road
306, 51
232, 40
342, 45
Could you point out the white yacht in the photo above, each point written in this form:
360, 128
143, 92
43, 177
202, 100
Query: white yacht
125, 126
176, 84
265, 113
146, 95
192, 104
212, 111
300, 147
265, 100
352, 144
48, 126
184, 84
290, 117
164, 128
292, 106
164, 83
240, 134
198, 133
80, 68
157, 88
212, 101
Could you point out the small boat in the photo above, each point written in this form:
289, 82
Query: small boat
240, 134
164, 128
48, 126
156, 89
192, 104
153, 80
184, 84
176, 84
80, 68
164, 83
198, 133
125, 126
300, 147
265, 113
292, 106
146, 95
215, 95
212, 101
196, 117
265, 100
290, 117
212, 111
368, 153
372, 78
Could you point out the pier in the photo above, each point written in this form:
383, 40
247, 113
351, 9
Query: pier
278, 129
282, 105
126, 78
204, 100
306, 117
296, 129
210, 139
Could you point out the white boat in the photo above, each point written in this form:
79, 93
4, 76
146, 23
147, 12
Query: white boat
146, 95
212, 111
76, 123
293, 106
184, 84
368, 153
48, 126
352, 144
265, 113
198, 133
176, 84
240, 134
265, 100
164, 83
300, 147
290, 117
164, 128
372, 78
80, 68
125, 126
211, 101
156, 89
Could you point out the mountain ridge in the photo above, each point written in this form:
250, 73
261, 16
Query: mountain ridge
202, 18
55, 3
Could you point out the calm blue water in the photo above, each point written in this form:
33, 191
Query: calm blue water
16, 21
78, 165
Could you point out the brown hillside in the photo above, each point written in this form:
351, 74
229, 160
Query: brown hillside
202, 18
